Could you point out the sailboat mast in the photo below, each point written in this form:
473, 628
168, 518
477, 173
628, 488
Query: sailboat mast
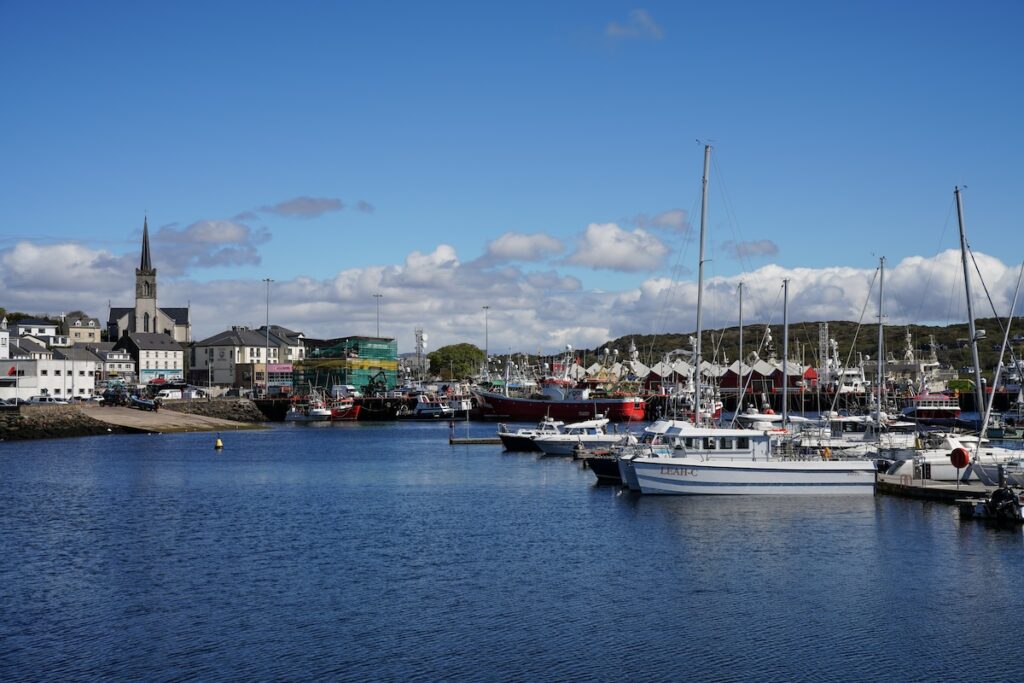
879, 379
785, 352
700, 286
978, 394
739, 398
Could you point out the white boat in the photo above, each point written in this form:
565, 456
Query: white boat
522, 439
581, 435
313, 409
428, 407
741, 462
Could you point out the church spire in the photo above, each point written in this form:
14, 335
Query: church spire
145, 265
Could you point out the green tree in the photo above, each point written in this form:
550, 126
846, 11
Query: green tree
456, 361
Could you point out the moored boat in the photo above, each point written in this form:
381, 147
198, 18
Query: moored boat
586, 434
522, 439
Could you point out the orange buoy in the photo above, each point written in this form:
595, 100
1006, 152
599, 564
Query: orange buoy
960, 458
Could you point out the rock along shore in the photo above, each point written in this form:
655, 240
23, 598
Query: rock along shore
60, 421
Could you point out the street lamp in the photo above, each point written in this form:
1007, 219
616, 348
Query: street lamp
378, 298
266, 359
487, 359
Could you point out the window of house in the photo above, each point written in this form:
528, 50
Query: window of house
44, 373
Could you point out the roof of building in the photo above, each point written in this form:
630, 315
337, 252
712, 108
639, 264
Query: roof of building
35, 321
243, 336
149, 341
145, 263
73, 353
178, 315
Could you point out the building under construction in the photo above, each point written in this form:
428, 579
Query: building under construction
370, 364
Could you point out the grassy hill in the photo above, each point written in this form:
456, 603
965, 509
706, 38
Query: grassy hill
950, 340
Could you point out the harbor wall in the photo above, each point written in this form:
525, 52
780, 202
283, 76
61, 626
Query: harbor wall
236, 409
51, 422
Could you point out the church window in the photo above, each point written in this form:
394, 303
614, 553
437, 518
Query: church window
145, 322
145, 288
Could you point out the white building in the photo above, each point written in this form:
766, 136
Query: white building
156, 356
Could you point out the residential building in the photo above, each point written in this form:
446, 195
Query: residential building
240, 357
81, 329
156, 356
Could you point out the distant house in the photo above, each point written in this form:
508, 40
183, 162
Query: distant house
156, 356
81, 329
44, 331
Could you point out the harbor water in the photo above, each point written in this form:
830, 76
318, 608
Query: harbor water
380, 552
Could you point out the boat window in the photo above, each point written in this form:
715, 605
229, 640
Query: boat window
728, 443
710, 443
689, 442
743, 442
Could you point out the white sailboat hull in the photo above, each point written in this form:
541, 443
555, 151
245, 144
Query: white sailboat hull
691, 476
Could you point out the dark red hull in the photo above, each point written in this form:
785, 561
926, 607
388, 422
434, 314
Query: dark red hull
344, 413
616, 409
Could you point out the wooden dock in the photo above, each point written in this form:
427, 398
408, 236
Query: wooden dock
929, 489
474, 440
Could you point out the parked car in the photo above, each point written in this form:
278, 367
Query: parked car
47, 400
16, 401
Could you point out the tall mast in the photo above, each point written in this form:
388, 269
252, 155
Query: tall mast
700, 286
785, 352
739, 399
978, 394
881, 340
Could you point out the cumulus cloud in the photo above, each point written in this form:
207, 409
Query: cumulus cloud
206, 244
516, 246
640, 25
748, 249
304, 207
528, 311
607, 246
674, 219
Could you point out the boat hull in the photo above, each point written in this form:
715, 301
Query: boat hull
616, 408
687, 476
520, 444
605, 468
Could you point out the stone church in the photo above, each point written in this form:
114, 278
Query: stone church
146, 316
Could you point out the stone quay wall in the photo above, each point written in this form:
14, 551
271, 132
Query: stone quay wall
237, 409
50, 422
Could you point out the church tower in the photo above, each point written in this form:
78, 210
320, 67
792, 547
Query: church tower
145, 288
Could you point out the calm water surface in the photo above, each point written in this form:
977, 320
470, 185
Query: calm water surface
369, 552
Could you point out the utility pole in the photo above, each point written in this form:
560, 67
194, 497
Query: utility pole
266, 359
378, 298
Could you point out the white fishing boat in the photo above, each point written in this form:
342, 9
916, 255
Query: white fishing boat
581, 435
742, 462
313, 409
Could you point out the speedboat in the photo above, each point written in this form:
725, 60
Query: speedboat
522, 439
581, 435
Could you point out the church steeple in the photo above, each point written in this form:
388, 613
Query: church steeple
146, 264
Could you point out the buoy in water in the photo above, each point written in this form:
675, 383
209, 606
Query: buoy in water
218, 445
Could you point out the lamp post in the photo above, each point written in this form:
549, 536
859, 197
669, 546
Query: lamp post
378, 298
266, 358
487, 359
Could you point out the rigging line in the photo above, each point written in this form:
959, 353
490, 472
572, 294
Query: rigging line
856, 333
731, 219
668, 294
745, 385
931, 269
995, 380
988, 295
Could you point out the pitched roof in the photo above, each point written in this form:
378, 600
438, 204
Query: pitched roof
150, 341
243, 336
73, 353
178, 315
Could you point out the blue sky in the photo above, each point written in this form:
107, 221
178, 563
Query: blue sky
539, 158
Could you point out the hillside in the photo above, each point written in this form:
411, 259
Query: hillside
950, 341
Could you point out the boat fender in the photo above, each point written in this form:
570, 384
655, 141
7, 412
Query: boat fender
959, 457
827, 453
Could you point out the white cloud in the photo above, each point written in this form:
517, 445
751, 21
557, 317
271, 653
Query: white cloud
753, 248
528, 311
639, 25
673, 219
606, 245
515, 246
308, 207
